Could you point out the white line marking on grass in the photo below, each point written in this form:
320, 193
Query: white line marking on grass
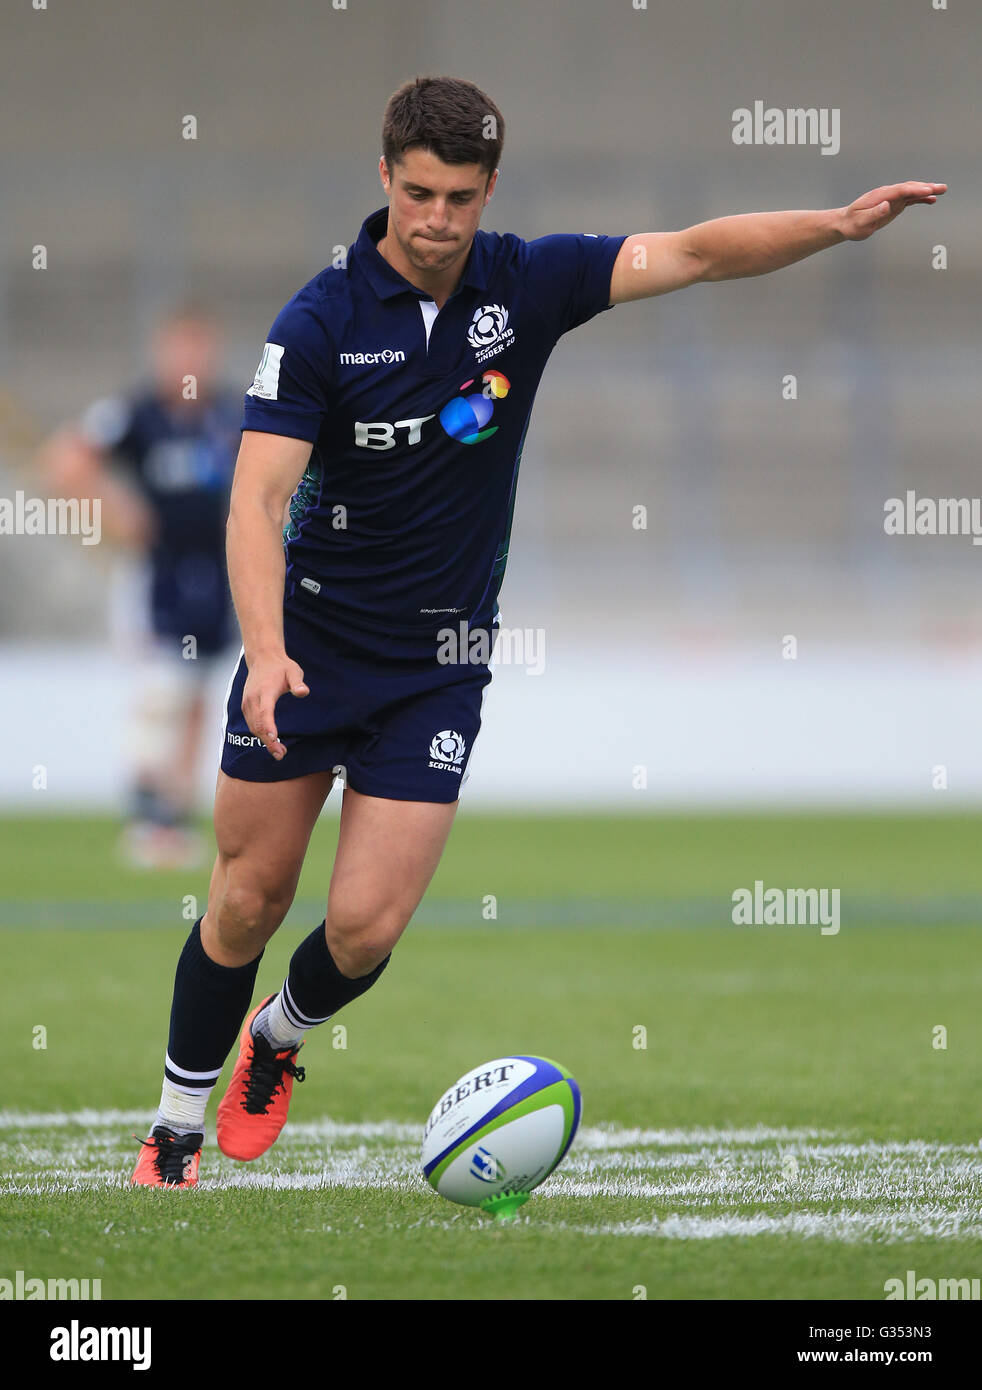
683, 1184
612, 1136
278, 1182
58, 1119
933, 1223
140, 1120
593, 1137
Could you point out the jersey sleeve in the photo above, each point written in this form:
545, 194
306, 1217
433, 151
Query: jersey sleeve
291, 391
107, 424
568, 276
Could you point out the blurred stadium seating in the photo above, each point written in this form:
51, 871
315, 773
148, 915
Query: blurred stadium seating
764, 516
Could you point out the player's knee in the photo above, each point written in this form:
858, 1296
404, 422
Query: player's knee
359, 945
248, 912
359, 957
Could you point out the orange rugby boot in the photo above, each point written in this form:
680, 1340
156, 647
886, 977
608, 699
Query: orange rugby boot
255, 1106
168, 1159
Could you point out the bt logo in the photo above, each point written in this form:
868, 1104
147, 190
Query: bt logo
378, 434
463, 418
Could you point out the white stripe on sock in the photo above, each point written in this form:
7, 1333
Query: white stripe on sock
296, 1015
277, 1026
190, 1075
205, 1090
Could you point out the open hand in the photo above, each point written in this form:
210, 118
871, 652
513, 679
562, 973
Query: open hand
878, 208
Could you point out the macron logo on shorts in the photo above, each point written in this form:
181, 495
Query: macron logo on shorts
244, 740
267, 383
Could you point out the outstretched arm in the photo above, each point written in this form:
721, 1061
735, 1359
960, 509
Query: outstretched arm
753, 243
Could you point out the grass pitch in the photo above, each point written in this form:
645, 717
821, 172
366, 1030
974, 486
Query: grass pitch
791, 1126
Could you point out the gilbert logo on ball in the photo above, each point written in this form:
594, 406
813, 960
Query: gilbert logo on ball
499, 1132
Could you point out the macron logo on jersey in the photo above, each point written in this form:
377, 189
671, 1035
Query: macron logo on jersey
361, 359
267, 383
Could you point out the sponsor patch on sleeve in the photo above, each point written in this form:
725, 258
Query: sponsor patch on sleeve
267, 383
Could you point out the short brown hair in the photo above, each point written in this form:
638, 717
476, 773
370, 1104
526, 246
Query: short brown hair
451, 118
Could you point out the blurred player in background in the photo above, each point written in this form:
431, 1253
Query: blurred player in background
161, 458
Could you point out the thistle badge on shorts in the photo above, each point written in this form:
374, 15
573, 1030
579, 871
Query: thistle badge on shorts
447, 750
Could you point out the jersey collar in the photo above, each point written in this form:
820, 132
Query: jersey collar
386, 281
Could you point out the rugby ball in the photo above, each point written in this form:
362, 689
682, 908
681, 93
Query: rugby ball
499, 1131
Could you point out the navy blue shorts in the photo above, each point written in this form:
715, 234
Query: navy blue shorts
388, 717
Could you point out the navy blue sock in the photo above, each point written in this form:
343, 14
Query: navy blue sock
210, 1002
315, 989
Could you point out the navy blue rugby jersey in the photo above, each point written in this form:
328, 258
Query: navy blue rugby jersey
401, 522
181, 461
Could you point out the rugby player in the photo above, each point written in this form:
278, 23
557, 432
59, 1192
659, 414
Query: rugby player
391, 405
161, 457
